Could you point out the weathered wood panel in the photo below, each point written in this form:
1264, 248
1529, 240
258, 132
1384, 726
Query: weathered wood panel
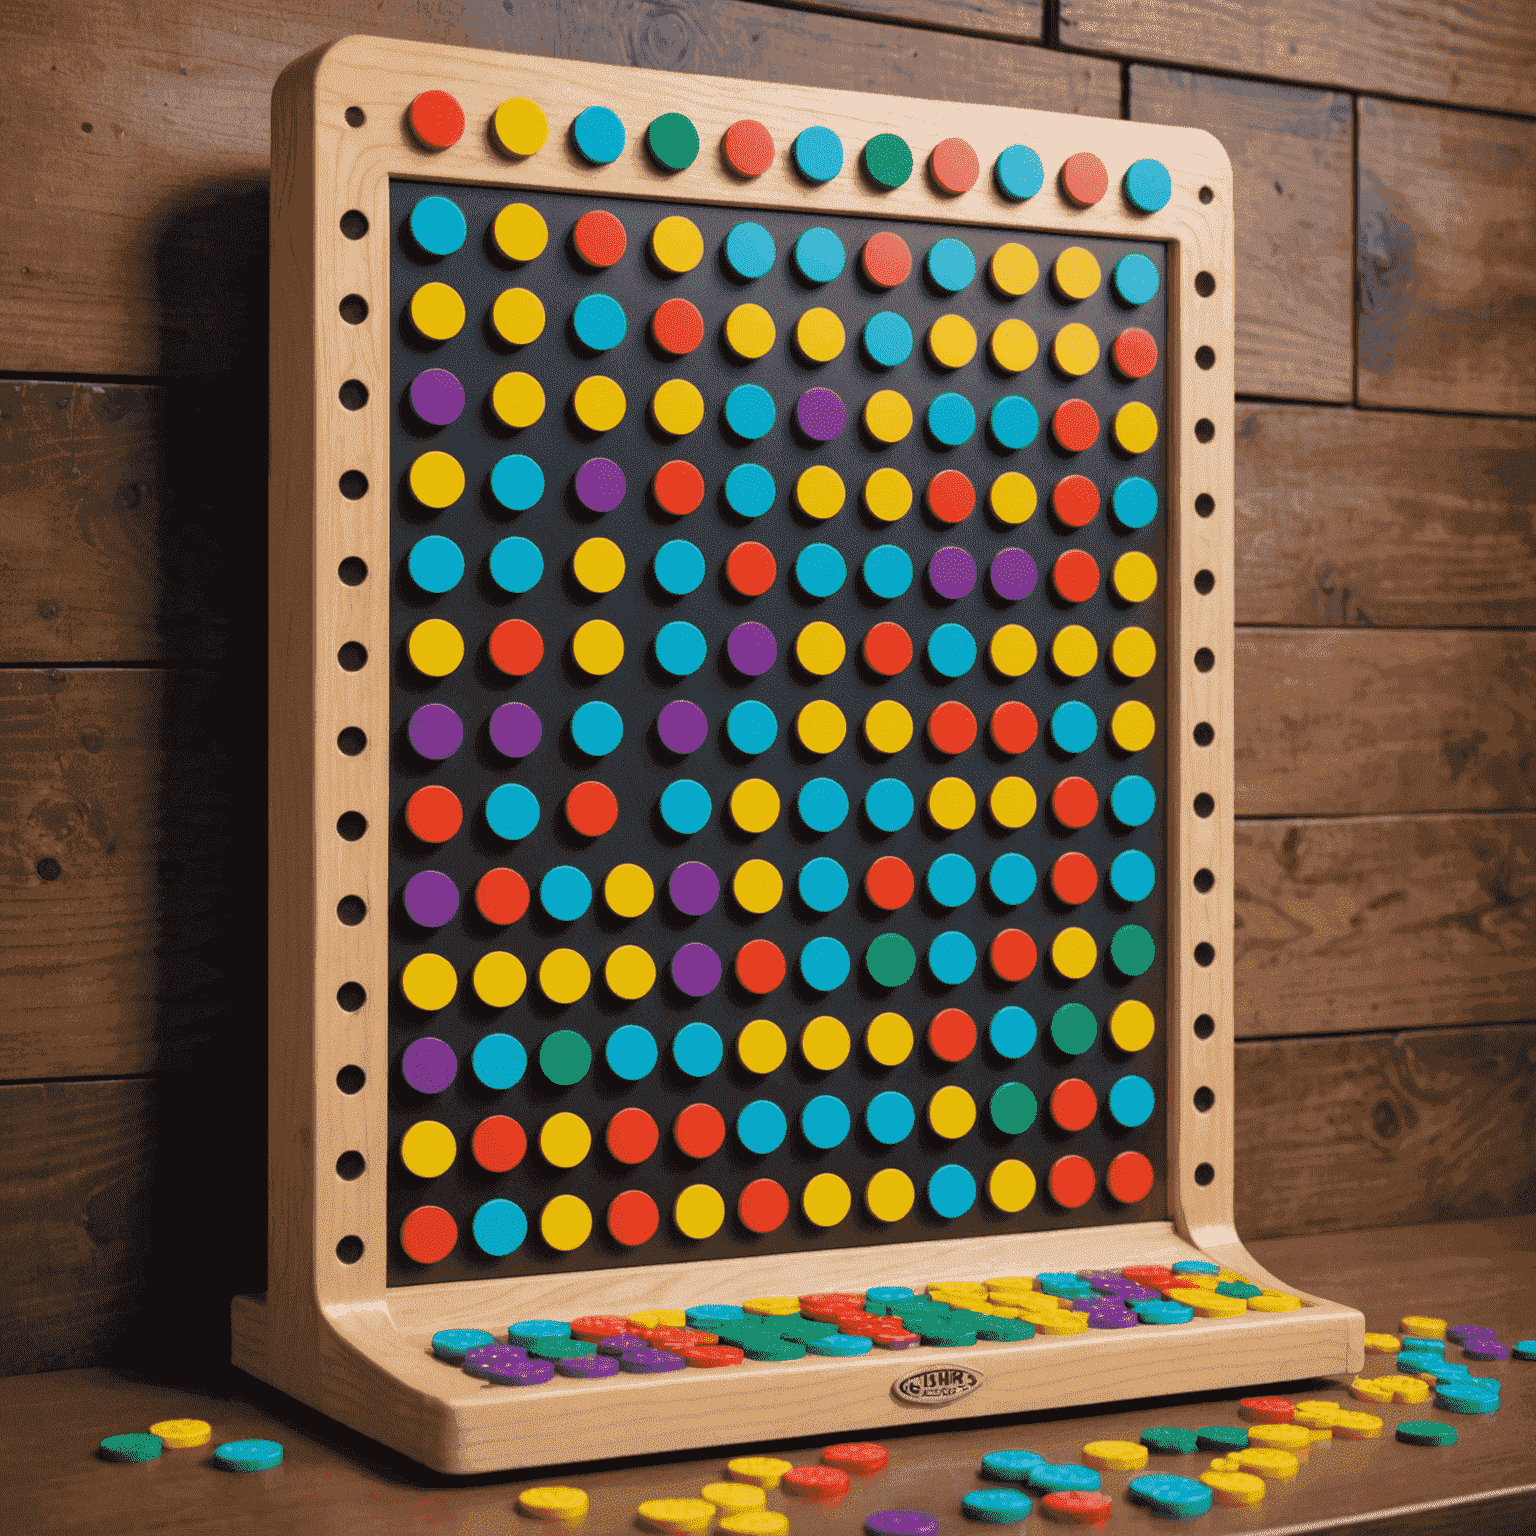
1385, 923
1376, 1130
133, 523
1015, 19
133, 1210
1478, 54
138, 245
1384, 518
1447, 258
1292, 162
132, 875
1349, 722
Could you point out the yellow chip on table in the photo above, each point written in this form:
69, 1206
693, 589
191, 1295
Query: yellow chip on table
734, 1498
553, 1502
677, 1515
183, 1434
1115, 1455
765, 1471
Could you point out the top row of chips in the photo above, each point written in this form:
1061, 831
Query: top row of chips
519, 128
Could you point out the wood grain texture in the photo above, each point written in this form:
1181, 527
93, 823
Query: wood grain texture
1385, 923
1019, 20
1350, 722
1382, 1129
1292, 159
1384, 518
1446, 260
133, 1208
1478, 54
131, 933
133, 519
140, 246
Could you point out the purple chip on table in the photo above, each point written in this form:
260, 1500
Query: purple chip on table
620, 1344
1013, 574
600, 485
952, 572
430, 898
1459, 1331
651, 1362
696, 970
752, 648
682, 726
821, 414
588, 1367
520, 1373
1485, 1349
437, 397
436, 732
515, 730
694, 888
429, 1065
1121, 1318
900, 1522
485, 1357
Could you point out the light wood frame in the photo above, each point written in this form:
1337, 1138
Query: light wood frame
333, 1333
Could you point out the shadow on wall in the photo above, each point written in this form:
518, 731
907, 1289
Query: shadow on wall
203, 1215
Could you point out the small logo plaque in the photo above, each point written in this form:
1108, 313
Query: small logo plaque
936, 1385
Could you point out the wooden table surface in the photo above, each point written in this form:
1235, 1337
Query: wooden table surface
334, 1483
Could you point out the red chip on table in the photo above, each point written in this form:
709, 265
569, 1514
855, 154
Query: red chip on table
857, 1456
593, 1329
712, 1356
436, 119
1075, 425
1148, 1274
888, 649
857, 1325
1075, 500
1083, 179
1077, 1506
591, 808
885, 259
833, 1299
951, 497
893, 1338
748, 147
1013, 955
1267, 1410
1014, 728
599, 238
678, 327
501, 896
954, 166
1134, 353
678, 486
680, 1338
816, 1482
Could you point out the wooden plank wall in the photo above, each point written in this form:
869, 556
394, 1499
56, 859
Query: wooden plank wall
1386, 429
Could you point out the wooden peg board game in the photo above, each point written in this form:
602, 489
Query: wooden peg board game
751, 752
